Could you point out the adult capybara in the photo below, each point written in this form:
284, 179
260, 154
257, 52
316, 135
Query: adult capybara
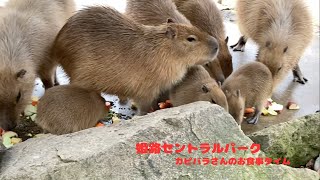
102, 50
154, 12
205, 15
281, 28
27, 31
67, 108
198, 85
249, 86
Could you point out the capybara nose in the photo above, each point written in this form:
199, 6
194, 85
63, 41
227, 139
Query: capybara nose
8, 126
214, 45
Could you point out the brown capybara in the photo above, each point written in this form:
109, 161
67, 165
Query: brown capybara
103, 50
67, 109
281, 28
205, 15
154, 12
27, 31
248, 86
215, 70
198, 85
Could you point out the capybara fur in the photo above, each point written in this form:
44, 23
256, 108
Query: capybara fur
205, 15
198, 85
249, 86
281, 28
215, 70
27, 31
67, 109
154, 12
102, 50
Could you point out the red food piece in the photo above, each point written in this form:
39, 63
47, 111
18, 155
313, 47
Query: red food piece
249, 111
100, 124
34, 103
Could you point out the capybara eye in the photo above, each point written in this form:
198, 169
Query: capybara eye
213, 102
207, 64
285, 49
191, 39
18, 97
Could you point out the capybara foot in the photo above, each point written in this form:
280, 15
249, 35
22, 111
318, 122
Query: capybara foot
254, 119
298, 76
240, 45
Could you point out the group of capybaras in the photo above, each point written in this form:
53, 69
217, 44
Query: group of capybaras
157, 50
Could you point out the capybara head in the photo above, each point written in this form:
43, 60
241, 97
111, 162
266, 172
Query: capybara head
274, 56
14, 95
213, 93
215, 70
236, 105
192, 44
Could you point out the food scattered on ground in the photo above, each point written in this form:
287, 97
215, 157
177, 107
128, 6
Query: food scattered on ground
10, 138
293, 106
164, 105
272, 108
249, 111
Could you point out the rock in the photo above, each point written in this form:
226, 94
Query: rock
2, 150
298, 140
317, 164
110, 152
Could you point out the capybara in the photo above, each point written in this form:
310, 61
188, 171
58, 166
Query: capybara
215, 70
198, 85
103, 50
27, 31
248, 86
154, 12
205, 15
281, 28
68, 108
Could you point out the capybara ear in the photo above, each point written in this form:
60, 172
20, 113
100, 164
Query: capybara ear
205, 88
238, 93
21, 73
227, 40
169, 20
171, 32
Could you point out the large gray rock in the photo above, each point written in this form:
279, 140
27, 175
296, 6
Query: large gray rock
110, 152
298, 140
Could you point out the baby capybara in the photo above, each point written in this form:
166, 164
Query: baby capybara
67, 108
27, 31
198, 85
249, 86
205, 15
103, 50
281, 28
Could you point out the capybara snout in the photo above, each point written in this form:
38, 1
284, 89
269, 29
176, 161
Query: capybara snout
8, 121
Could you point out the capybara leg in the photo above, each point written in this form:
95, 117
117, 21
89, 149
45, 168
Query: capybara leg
240, 45
143, 107
47, 76
298, 76
123, 100
255, 118
56, 82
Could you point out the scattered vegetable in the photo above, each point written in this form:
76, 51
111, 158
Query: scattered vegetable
249, 111
293, 106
